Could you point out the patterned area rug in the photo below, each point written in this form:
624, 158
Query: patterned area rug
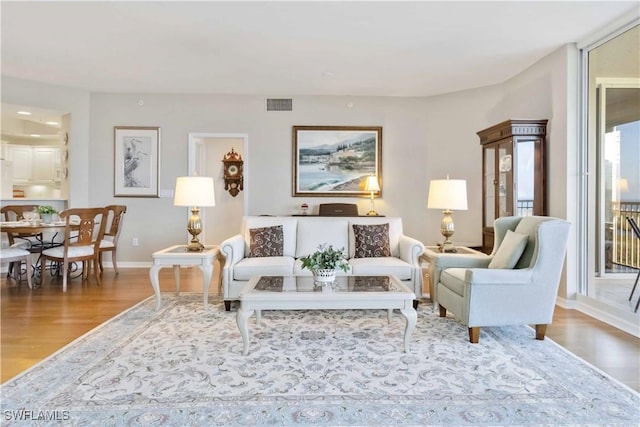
182, 366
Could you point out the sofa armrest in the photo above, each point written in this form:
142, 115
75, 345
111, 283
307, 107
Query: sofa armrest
410, 250
233, 250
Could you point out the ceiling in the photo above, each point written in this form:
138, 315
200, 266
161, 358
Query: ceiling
289, 48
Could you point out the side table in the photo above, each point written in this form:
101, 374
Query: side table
429, 256
177, 256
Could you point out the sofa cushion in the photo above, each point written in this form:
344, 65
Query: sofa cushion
453, 279
509, 251
246, 268
313, 232
289, 226
371, 241
395, 232
384, 265
265, 241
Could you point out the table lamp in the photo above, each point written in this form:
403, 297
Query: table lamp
194, 191
371, 185
447, 194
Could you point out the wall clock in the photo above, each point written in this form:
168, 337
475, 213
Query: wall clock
233, 179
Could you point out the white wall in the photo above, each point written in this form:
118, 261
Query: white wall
548, 90
423, 139
74, 101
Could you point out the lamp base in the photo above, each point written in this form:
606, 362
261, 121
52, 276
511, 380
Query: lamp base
372, 213
195, 246
194, 227
447, 229
447, 247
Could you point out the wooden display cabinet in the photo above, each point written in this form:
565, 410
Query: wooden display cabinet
513, 173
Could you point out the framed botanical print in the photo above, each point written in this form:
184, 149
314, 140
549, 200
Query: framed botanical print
136, 161
335, 161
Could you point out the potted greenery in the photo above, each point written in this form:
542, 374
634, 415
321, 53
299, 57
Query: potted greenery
324, 262
46, 212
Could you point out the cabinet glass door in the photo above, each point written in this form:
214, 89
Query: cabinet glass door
489, 186
525, 178
505, 180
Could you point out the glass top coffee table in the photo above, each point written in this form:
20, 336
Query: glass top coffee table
302, 293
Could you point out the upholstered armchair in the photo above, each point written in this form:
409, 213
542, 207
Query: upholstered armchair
516, 284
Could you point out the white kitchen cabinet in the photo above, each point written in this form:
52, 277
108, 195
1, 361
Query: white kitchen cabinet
34, 164
20, 155
45, 164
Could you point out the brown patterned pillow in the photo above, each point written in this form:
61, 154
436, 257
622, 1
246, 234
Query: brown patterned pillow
372, 240
266, 241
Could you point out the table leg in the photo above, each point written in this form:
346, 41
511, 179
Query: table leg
412, 317
207, 272
241, 319
155, 283
176, 278
389, 315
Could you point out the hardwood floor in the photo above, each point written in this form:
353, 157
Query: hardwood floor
37, 323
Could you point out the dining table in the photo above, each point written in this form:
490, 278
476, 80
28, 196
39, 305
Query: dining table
40, 238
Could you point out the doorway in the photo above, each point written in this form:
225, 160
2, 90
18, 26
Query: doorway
206, 151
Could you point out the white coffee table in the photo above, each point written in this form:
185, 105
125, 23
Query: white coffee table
179, 255
348, 292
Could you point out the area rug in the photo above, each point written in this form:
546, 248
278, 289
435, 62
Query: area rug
183, 366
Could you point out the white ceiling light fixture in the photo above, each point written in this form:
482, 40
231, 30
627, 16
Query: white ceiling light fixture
24, 113
52, 123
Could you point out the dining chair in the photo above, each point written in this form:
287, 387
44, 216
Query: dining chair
18, 256
636, 231
110, 241
81, 242
29, 242
20, 240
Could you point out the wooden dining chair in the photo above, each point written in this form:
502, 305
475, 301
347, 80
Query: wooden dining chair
81, 242
29, 242
18, 256
110, 241
21, 240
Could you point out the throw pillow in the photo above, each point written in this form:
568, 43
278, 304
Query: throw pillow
266, 241
510, 250
371, 240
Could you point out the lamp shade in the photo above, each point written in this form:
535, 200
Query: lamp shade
371, 184
448, 194
194, 191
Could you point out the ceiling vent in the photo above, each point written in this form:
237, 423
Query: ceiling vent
279, 104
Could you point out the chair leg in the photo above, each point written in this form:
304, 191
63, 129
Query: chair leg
100, 262
540, 331
96, 272
474, 335
65, 273
114, 260
27, 263
443, 311
634, 286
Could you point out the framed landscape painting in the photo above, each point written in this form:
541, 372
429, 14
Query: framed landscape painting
136, 161
335, 161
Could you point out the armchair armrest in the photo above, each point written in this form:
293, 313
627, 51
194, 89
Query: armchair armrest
233, 250
494, 276
410, 250
445, 260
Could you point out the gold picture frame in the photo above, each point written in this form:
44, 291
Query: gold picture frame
334, 161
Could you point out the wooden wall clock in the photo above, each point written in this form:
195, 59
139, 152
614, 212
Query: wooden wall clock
233, 180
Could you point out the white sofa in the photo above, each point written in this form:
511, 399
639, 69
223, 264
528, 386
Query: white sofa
302, 235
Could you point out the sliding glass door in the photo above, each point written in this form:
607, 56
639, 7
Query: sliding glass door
613, 165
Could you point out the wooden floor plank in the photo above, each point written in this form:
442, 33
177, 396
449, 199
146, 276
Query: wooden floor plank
36, 323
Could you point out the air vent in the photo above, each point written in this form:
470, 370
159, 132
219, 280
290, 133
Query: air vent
279, 104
